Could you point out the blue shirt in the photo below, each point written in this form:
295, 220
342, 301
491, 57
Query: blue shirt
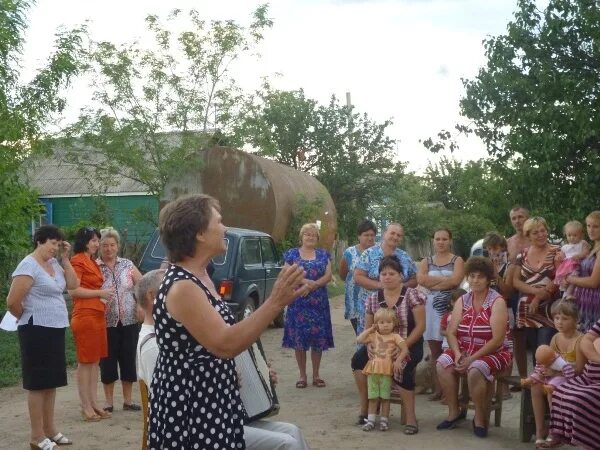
369, 262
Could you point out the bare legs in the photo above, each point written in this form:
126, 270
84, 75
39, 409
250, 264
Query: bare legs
315, 358
538, 401
449, 384
87, 381
109, 390
41, 413
408, 403
361, 385
435, 348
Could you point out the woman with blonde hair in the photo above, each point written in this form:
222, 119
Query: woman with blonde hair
308, 319
122, 328
534, 279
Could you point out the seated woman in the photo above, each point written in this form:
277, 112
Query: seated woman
478, 349
409, 305
574, 418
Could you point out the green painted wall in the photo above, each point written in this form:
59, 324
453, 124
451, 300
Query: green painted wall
68, 211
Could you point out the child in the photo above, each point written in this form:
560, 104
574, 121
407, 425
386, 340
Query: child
571, 255
455, 295
379, 369
496, 248
566, 345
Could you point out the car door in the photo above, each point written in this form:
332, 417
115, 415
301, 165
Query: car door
253, 272
271, 264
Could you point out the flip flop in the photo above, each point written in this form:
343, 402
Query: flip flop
301, 384
318, 382
551, 442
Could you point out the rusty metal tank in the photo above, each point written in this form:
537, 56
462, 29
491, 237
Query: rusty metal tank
255, 192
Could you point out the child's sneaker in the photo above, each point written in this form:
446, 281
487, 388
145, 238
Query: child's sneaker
369, 426
383, 424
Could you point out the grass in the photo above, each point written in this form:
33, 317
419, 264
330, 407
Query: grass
333, 290
10, 355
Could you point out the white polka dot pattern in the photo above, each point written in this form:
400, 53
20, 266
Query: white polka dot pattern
195, 401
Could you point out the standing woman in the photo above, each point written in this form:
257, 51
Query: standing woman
308, 319
36, 299
354, 308
88, 322
440, 274
587, 284
534, 279
122, 327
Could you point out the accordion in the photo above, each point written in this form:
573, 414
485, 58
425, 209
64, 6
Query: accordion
256, 390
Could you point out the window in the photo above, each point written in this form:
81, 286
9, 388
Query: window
251, 251
268, 252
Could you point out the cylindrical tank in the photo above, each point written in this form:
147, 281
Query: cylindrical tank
255, 192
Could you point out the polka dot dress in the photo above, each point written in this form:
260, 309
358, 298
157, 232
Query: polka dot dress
195, 402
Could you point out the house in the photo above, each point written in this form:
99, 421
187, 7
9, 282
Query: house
71, 197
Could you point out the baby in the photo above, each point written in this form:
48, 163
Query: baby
571, 255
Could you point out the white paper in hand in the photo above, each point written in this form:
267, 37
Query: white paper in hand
9, 322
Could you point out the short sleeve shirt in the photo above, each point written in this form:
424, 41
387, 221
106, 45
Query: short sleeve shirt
412, 299
44, 300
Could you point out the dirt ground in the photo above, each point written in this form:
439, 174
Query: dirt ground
325, 415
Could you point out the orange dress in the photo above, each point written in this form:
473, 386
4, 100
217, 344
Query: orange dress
88, 323
385, 345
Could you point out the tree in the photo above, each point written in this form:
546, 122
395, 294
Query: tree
347, 151
25, 110
155, 108
536, 107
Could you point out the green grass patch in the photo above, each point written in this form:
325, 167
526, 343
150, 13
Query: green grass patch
337, 289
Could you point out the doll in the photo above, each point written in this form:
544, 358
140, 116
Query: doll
546, 358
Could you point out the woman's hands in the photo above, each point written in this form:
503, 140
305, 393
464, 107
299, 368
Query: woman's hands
105, 294
290, 285
462, 362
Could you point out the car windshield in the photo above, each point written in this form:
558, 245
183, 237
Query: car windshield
159, 252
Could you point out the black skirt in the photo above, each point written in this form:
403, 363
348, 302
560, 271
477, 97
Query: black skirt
43, 361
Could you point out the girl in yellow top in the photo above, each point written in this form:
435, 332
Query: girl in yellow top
566, 344
379, 370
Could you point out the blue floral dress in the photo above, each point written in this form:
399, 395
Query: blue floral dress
308, 319
353, 307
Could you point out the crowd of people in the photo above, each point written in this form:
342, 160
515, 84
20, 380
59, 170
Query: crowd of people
525, 292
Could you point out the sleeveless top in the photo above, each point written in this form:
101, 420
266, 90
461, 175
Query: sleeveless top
195, 400
440, 298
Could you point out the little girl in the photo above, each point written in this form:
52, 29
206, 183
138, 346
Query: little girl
566, 344
572, 254
379, 369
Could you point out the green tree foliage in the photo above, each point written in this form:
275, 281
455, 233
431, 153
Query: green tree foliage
347, 151
155, 108
535, 105
25, 109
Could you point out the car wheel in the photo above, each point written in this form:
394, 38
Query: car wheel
248, 308
279, 320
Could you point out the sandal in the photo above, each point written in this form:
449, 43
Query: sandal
131, 407
411, 429
102, 413
383, 425
369, 426
539, 443
318, 382
551, 442
301, 384
45, 444
61, 439
436, 396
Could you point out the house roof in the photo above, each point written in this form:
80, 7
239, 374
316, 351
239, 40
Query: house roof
54, 177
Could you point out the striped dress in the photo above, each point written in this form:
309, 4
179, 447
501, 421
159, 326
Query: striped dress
474, 331
538, 277
575, 414
588, 299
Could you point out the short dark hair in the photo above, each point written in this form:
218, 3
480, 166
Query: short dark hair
45, 232
366, 225
83, 237
390, 262
493, 239
181, 220
447, 230
480, 264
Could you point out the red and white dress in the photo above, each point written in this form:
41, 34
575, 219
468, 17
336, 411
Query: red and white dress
474, 331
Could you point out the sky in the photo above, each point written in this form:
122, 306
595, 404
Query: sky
399, 59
